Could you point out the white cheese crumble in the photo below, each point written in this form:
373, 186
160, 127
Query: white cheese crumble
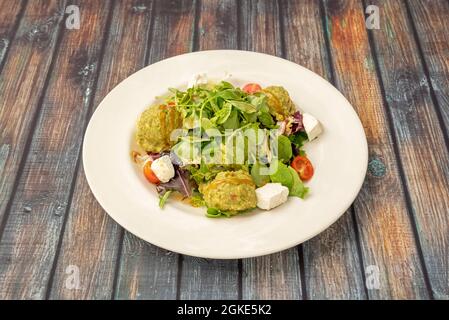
271, 195
312, 126
163, 168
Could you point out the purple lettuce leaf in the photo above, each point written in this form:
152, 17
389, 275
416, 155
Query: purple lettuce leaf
294, 123
180, 182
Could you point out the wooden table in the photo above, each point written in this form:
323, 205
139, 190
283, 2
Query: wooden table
57, 242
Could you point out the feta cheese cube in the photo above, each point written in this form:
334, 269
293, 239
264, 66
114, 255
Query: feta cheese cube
163, 168
312, 126
271, 195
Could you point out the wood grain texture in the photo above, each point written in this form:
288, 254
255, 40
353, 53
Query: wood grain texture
331, 262
395, 77
415, 122
30, 239
92, 239
146, 271
275, 276
259, 26
432, 28
209, 279
218, 25
174, 25
10, 15
22, 79
201, 278
386, 232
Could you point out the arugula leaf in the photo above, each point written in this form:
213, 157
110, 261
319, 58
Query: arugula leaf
243, 106
224, 85
213, 102
259, 101
223, 114
266, 119
250, 117
229, 94
298, 189
204, 173
233, 120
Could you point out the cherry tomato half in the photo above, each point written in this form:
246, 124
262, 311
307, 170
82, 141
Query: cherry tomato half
303, 166
149, 174
251, 88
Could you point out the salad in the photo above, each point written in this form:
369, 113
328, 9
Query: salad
226, 148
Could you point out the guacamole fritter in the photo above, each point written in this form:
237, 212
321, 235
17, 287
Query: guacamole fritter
279, 102
155, 126
230, 191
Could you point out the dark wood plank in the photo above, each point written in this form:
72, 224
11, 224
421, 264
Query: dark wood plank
209, 279
201, 278
432, 26
92, 239
146, 271
275, 276
22, 80
415, 122
331, 262
31, 236
259, 26
386, 232
218, 26
10, 14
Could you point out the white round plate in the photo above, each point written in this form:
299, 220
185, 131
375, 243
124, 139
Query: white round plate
339, 156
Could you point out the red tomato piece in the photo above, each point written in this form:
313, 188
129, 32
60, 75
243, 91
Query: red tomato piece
149, 174
303, 167
251, 88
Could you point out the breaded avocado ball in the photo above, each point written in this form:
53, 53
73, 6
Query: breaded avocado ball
230, 191
279, 102
155, 126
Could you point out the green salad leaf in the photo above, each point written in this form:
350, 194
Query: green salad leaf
223, 114
298, 139
266, 119
259, 178
284, 149
230, 94
282, 175
243, 106
215, 213
298, 189
287, 176
232, 121
164, 198
205, 147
